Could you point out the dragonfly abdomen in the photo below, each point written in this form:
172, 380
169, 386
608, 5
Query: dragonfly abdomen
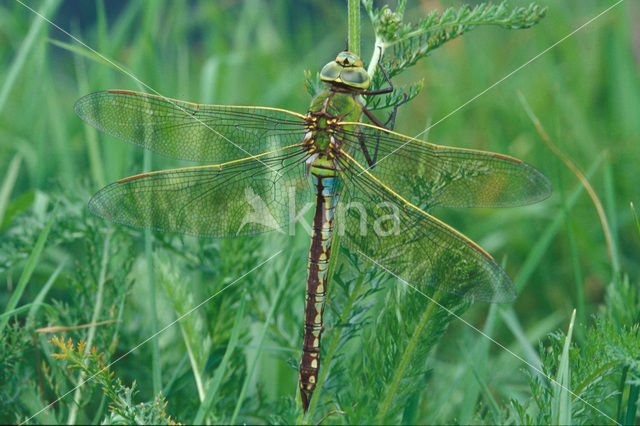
325, 182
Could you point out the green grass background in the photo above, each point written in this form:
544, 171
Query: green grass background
585, 91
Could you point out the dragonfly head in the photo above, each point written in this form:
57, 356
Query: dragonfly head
346, 70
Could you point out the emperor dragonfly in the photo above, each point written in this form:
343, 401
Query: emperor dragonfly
275, 154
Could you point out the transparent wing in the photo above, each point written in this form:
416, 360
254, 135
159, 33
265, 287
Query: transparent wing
244, 197
207, 133
414, 245
429, 175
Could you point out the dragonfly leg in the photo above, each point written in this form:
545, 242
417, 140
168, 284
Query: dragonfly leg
367, 156
386, 77
374, 120
392, 116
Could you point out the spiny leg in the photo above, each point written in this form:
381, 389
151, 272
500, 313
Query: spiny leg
386, 77
392, 119
392, 116
371, 161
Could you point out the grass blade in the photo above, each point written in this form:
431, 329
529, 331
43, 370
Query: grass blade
91, 134
16, 311
581, 177
8, 183
254, 361
399, 373
635, 218
542, 244
28, 269
494, 408
82, 51
214, 384
37, 302
632, 404
18, 62
561, 401
20, 204
477, 360
530, 354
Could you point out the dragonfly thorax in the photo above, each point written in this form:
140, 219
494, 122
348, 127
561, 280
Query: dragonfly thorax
322, 134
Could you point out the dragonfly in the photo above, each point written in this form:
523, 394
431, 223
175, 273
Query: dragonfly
262, 159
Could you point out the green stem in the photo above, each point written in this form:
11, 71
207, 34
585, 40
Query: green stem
8, 184
148, 252
215, 383
623, 380
406, 358
378, 51
25, 277
91, 134
254, 362
610, 203
354, 26
97, 308
194, 364
632, 404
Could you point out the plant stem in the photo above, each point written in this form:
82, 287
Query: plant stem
254, 362
194, 365
378, 51
97, 308
148, 251
404, 363
216, 381
25, 277
8, 183
354, 26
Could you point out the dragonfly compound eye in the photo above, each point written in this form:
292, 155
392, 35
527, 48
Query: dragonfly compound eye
347, 70
331, 71
356, 77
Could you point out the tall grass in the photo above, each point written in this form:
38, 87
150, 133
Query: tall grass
388, 354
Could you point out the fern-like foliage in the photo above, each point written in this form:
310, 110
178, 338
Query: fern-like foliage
604, 373
14, 342
411, 42
123, 409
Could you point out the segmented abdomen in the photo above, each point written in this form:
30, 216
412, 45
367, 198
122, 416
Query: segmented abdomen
325, 181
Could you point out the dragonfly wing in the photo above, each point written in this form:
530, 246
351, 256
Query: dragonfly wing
431, 175
243, 197
414, 245
179, 129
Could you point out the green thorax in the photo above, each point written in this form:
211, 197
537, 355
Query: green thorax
327, 109
342, 105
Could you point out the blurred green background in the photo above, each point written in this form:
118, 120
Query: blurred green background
585, 92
